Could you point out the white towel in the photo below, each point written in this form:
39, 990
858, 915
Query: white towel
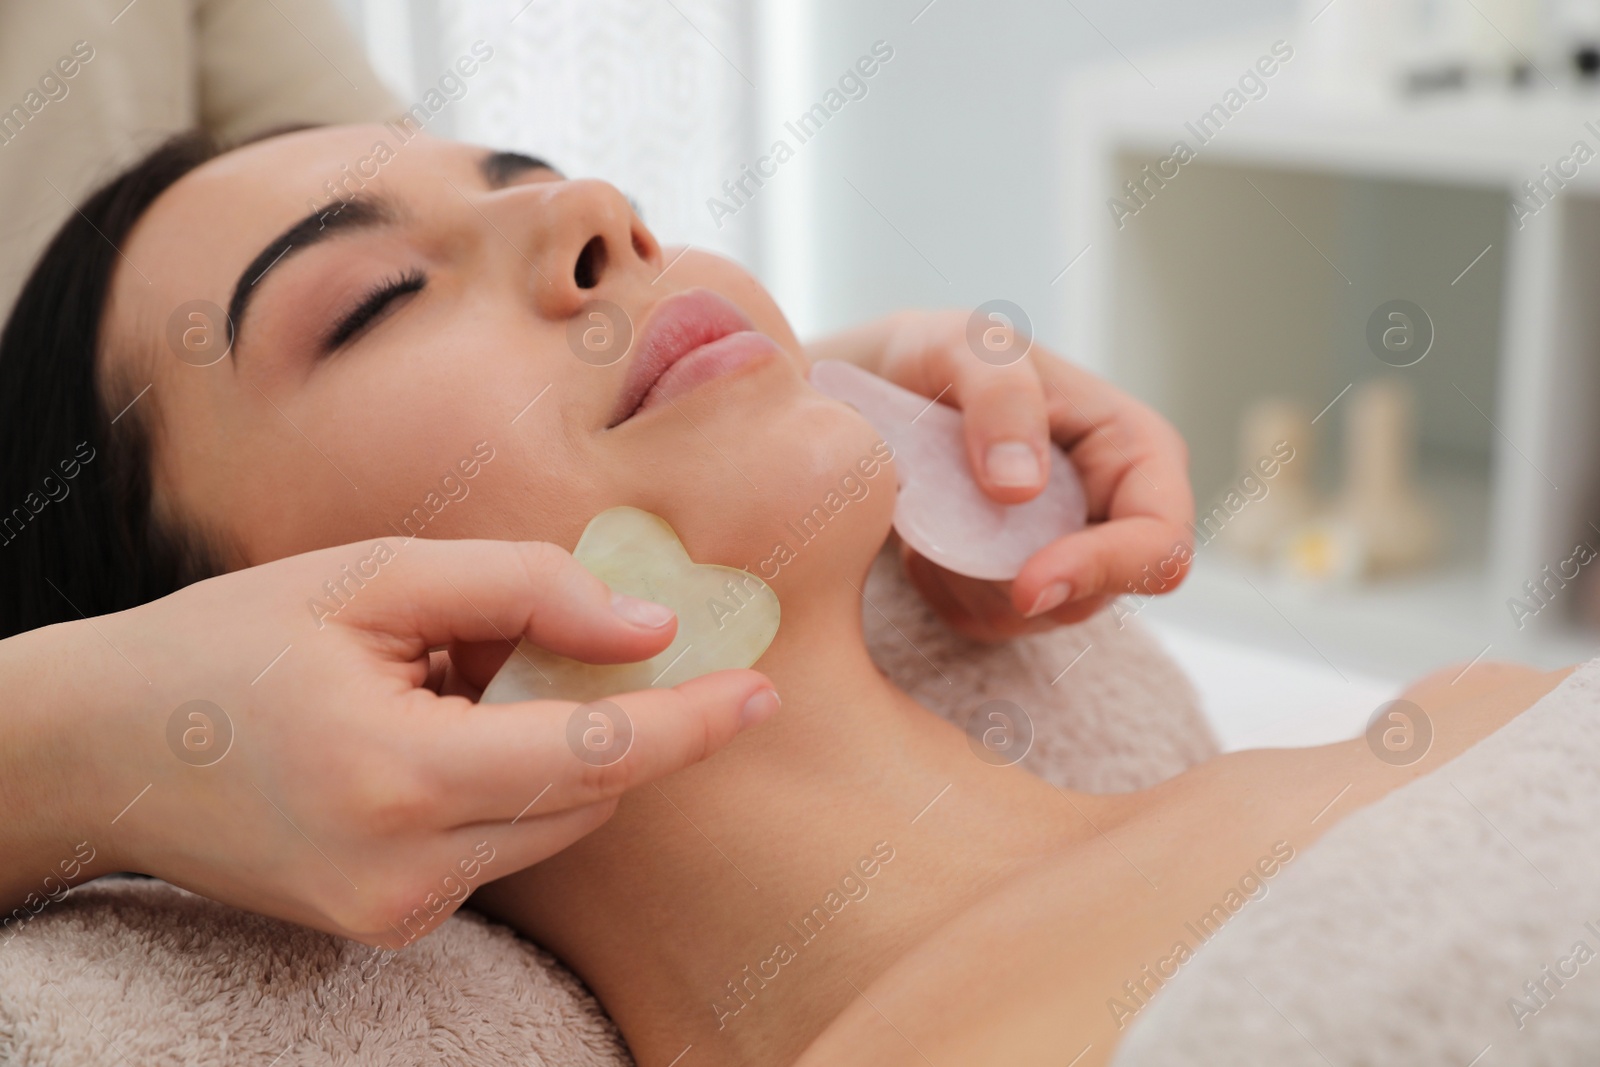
1413, 932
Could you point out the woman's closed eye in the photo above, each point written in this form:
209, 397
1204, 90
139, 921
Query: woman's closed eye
378, 302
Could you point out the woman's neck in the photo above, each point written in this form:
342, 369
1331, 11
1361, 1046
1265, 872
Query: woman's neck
739, 906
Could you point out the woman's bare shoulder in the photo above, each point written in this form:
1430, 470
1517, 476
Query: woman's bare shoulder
1057, 961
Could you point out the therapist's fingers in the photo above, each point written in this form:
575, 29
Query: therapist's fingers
1006, 429
1002, 403
496, 759
530, 839
1134, 467
420, 896
409, 894
432, 593
476, 663
1135, 555
1132, 461
982, 610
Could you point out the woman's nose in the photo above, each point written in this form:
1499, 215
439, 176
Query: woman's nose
582, 237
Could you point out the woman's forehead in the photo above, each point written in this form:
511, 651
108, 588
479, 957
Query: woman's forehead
198, 234
308, 168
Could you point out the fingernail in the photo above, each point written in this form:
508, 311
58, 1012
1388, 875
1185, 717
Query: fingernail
646, 613
759, 708
1012, 464
1053, 596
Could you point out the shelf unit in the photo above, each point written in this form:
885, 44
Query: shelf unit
1253, 272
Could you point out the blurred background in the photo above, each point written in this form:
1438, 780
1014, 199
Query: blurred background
1360, 234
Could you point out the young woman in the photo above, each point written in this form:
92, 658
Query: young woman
847, 883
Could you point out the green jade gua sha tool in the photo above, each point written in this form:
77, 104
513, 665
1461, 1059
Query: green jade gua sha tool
726, 617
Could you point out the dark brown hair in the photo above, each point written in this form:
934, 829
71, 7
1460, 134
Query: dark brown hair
77, 532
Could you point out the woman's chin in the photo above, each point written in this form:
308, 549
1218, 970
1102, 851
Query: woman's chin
769, 475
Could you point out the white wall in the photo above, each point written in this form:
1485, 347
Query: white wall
953, 145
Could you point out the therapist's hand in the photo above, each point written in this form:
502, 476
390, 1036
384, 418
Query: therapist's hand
353, 797
1133, 463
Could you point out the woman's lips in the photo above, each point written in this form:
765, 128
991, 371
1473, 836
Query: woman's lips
688, 339
713, 360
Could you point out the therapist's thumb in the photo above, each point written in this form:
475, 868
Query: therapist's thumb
472, 593
666, 730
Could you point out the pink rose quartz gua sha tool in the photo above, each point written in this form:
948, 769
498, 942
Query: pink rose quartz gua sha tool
941, 511
726, 617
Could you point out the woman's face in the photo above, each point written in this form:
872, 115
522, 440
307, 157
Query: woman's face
419, 355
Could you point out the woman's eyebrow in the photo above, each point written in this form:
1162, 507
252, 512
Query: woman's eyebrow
500, 169
360, 212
